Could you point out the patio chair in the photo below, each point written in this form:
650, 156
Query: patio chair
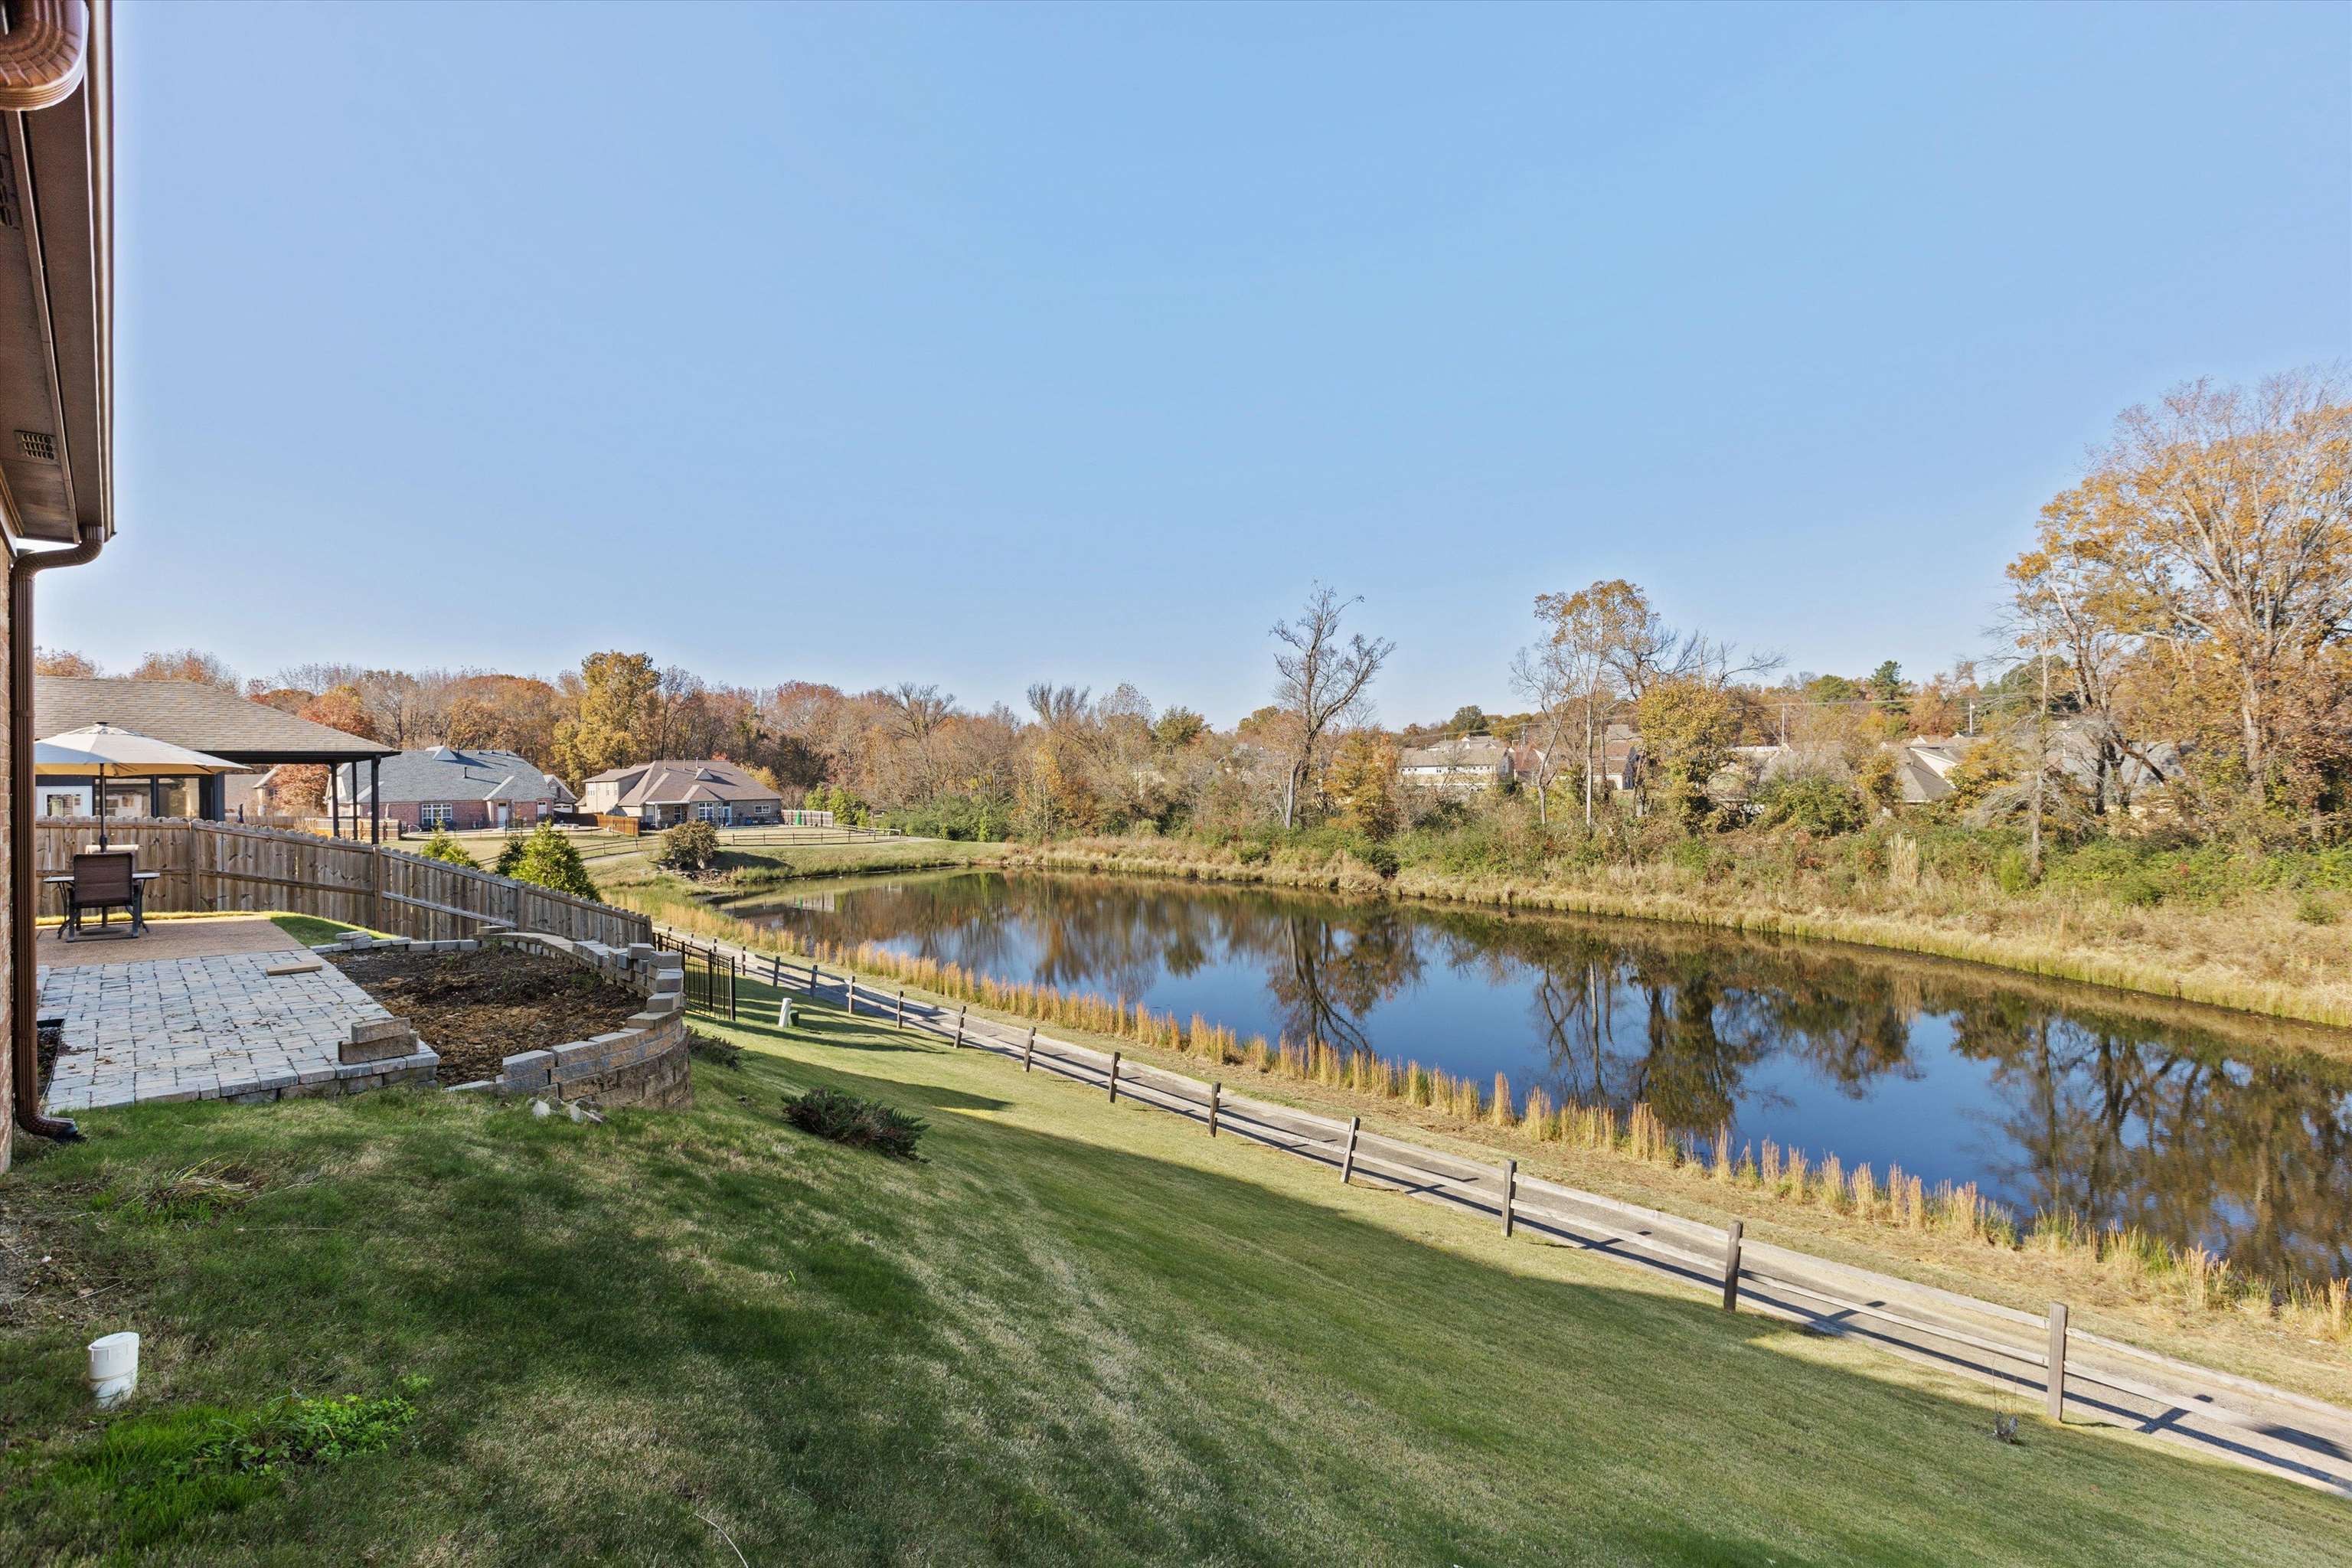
104, 882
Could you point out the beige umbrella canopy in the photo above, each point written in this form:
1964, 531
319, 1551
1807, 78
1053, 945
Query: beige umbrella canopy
112, 753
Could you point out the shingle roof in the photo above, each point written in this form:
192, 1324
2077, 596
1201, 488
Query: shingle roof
1466, 752
448, 773
189, 713
670, 783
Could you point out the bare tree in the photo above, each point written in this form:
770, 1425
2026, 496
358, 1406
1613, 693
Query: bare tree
1542, 675
917, 714
1321, 680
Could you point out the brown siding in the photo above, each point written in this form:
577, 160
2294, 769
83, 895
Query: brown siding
7, 948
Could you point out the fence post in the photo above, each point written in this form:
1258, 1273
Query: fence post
732, 972
959, 1013
1216, 1093
1113, 1077
1731, 1240
2057, 1382
849, 989
1029, 1049
1347, 1160
899, 1016
776, 970
1510, 1194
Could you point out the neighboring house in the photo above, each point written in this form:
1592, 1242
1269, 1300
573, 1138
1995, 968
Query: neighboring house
57, 423
458, 787
1463, 764
661, 794
202, 718
1621, 755
1924, 767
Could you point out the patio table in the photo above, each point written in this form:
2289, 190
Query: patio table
139, 912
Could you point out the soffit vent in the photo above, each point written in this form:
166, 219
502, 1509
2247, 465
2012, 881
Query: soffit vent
32, 444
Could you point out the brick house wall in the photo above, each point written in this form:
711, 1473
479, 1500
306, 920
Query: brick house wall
7, 948
469, 814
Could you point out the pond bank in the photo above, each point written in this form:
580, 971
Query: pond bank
2249, 958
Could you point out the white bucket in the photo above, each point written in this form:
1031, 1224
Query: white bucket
113, 1368
784, 1011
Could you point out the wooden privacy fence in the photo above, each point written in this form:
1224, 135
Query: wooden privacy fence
2068, 1368
212, 867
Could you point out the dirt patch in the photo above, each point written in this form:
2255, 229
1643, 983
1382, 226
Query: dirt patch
478, 1008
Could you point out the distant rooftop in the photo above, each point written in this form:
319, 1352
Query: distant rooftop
191, 713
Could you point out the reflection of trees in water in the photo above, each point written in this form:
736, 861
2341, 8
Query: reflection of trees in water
2119, 1118
2251, 1156
1332, 974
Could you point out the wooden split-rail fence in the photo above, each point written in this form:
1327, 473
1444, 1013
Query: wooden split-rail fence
220, 866
2073, 1372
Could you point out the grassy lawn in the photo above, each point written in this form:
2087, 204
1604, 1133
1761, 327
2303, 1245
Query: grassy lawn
1074, 1333
310, 929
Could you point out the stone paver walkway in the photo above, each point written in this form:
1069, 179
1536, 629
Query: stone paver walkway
164, 938
216, 1027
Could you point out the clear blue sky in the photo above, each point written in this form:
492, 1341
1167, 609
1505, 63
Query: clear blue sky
985, 345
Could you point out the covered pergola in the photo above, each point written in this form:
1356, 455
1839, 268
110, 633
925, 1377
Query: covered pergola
208, 718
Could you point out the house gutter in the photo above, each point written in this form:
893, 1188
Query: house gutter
43, 54
21, 973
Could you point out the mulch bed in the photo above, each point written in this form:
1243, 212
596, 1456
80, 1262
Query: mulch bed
478, 1008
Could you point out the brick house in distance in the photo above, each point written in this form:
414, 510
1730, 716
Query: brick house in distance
461, 788
664, 794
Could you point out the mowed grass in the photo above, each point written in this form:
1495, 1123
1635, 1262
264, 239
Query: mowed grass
1073, 1333
312, 929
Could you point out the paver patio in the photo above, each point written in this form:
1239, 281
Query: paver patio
217, 1025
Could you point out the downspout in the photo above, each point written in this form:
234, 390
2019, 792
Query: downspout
44, 53
22, 973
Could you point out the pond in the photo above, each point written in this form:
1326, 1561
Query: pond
2194, 1124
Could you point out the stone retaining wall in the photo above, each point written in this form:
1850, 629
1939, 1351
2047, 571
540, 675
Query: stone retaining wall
644, 1064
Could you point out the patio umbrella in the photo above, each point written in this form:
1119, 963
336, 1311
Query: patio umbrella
109, 752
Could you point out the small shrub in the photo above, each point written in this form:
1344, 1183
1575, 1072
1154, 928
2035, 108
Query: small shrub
712, 1048
2012, 873
1690, 855
546, 858
689, 846
1814, 801
441, 847
2314, 910
858, 1123
1380, 859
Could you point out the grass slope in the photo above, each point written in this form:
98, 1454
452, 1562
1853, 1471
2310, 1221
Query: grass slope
1075, 1333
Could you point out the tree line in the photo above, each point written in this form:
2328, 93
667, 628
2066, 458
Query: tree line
2179, 632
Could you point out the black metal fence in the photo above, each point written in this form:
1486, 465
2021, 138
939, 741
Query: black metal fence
711, 975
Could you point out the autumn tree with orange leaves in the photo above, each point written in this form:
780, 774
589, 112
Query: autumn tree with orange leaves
2198, 586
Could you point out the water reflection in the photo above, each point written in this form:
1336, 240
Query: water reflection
2191, 1124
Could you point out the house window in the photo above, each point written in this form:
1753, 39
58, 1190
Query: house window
710, 811
437, 813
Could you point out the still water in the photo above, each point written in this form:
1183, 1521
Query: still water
2194, 1125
